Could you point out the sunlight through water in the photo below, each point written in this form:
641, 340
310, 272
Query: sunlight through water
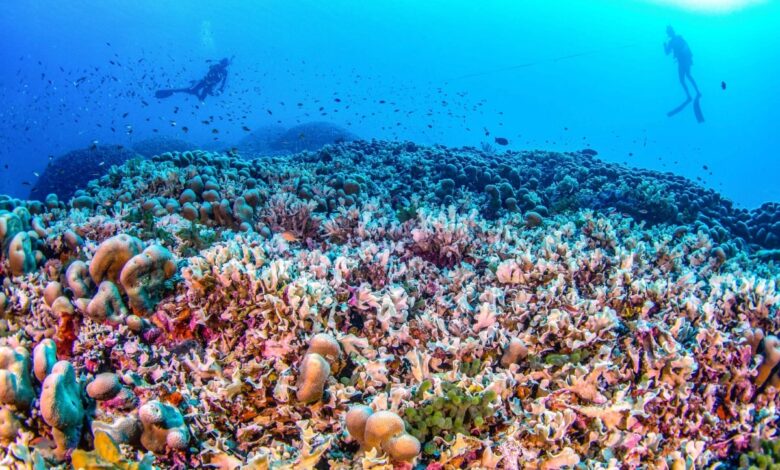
711, 6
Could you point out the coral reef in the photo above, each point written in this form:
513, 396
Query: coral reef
387, 305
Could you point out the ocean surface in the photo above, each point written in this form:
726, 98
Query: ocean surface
255, 235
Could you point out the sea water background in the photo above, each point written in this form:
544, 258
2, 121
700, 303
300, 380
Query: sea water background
560, 75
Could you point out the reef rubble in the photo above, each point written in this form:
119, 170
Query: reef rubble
384, 305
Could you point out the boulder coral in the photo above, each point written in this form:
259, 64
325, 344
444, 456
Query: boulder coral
769, 348
15, 379
9, 425
163, 427
144, 275
322, 357
21, 259
107, 304
44, 358
77, 279
10, 226
111, 256
312, 377
383, 430
61, 406
108, 389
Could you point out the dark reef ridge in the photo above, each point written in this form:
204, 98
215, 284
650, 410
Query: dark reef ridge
536, 183
543, 183
157, 145
276, 140
73, 170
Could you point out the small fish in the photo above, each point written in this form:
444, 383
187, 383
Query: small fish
185, 129
501, 141
36, 174
705, 167
215, 131
289, 236
101, 163
26, 183
246, 129
723, 85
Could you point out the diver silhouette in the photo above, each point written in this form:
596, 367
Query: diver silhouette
216, 77
677, 46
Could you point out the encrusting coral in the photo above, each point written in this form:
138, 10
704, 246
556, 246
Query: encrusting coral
514, 310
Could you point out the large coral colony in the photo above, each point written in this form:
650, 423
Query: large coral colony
384, 305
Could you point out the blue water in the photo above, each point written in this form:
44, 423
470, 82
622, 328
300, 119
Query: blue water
560, 75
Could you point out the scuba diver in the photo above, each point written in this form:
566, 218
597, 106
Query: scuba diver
216, 77
677, 45
682, 53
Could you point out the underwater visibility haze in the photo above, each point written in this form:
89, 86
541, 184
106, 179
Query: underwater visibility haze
389, 235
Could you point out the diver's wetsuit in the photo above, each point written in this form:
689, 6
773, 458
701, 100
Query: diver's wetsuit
216, 76
682, 53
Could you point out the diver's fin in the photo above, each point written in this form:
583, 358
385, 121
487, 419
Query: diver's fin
697, 110
679, 108
160, 94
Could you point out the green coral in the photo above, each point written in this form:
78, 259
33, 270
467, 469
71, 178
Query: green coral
196, 238
456, 411
470, 368
407, 213
765, 456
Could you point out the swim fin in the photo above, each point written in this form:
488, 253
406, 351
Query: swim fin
679, 108
697, 110
160, 94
